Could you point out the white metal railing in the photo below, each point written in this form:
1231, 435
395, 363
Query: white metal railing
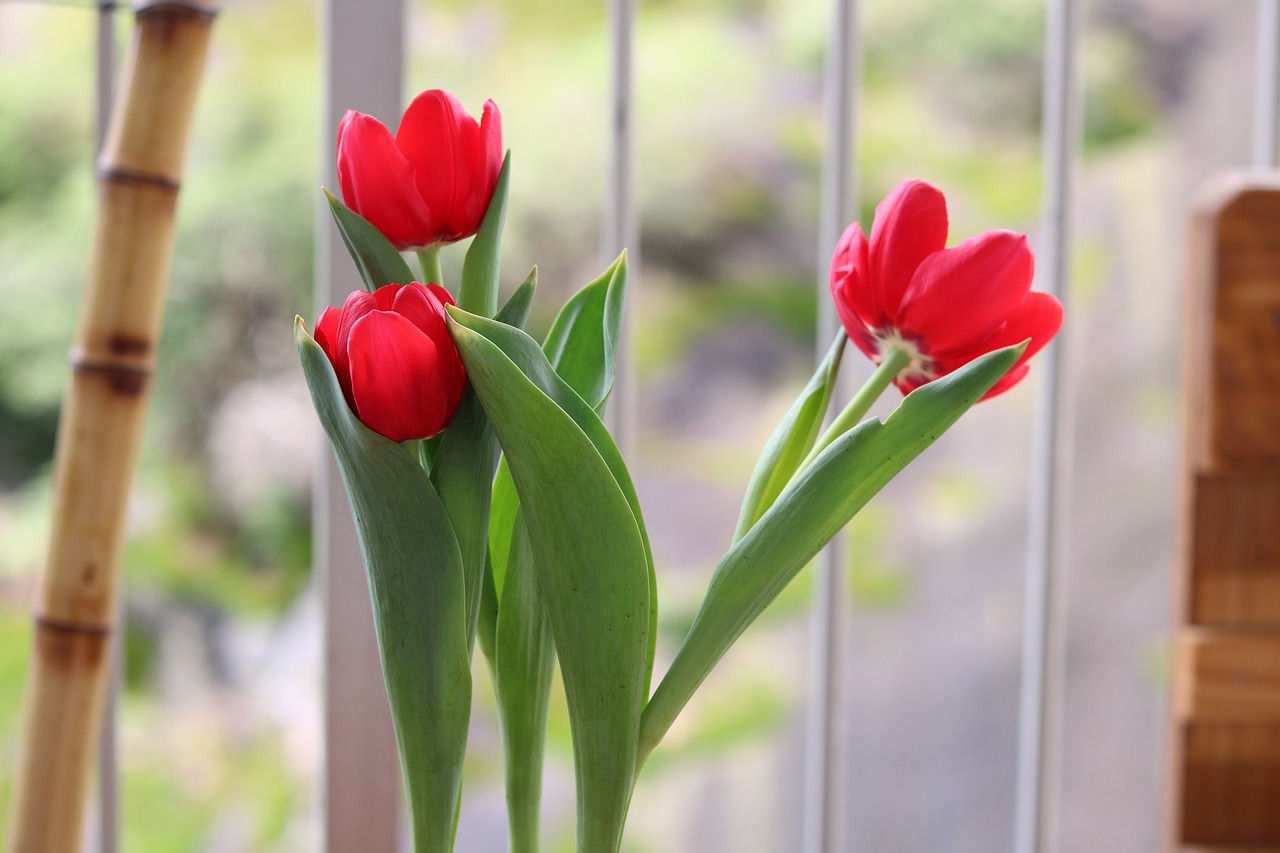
364, 65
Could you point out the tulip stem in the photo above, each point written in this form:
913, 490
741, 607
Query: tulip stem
894, 362
430, 260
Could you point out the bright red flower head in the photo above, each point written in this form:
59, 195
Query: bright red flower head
432, 181
945, 307
397, 364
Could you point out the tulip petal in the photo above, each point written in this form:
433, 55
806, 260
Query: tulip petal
359, 303
909, 226
962, 296
1038, 319
395, 379
423, 305
479, 162
378, 182
857, 304
327, 332
431, 135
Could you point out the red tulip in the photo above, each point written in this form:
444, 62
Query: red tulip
944, 307
397, 364
432, 181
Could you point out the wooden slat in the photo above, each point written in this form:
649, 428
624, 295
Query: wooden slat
1231, 787
1235, 551
1229, 677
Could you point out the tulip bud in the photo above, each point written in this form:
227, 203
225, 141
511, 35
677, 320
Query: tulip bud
398, 367
431, 183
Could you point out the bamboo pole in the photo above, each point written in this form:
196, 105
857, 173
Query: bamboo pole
102, 422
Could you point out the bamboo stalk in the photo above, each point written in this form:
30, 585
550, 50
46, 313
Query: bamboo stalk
102, 422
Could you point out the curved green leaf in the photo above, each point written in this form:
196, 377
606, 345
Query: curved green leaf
582, 343
463, 472
524, 351
478, 292
812, 509
377, 260
591, 562
414, 569
791, 441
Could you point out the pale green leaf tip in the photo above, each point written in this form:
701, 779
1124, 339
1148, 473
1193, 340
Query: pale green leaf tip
300, 332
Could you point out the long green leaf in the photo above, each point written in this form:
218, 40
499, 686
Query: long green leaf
591, 563
463, 472
478, 292
810, 511
414, 569
377, 260
791, 440
582, 348
522, 349
524, 666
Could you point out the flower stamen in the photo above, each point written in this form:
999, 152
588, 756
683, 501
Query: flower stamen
920, 365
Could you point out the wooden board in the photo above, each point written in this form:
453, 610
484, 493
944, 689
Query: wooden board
1225, 777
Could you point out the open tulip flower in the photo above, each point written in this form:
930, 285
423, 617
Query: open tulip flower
429, 184
906, 299
397, 365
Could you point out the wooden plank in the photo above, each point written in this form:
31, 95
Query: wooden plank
1225, 751
1231, 784
1235, 551
1229, 677
1234, 325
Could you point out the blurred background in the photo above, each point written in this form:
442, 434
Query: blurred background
220, 719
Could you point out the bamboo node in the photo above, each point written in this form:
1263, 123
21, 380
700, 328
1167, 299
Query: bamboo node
60, 626
120, 175
125, 379
171, 9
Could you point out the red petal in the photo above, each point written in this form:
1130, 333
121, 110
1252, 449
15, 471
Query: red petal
478, 168
385, 297
450, 358
359, 303
327, 332
910, 225
421, 307
429, 137
962, 296
856, 302
396, 378
378, 182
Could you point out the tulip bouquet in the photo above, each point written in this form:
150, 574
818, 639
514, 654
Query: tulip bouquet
541, 552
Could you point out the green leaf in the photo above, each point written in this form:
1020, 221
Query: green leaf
478, 292
414, 569
589, 554
378, 261
463, 473
791, 441
521, 349
582, 344
524, 666
812, 509
515, 312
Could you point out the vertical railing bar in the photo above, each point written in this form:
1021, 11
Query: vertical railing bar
1042, 650
823, 756
362, 44
108, 840
618, 228
1266, 94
